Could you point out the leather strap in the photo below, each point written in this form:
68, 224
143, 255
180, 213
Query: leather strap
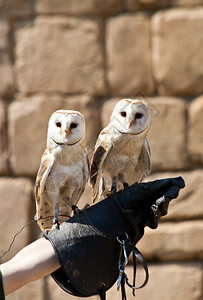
123, 293
122, 278
134, 272
140, 258
102, 292
2, 296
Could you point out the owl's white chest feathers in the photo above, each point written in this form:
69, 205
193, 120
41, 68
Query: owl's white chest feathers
68, 171
124, 154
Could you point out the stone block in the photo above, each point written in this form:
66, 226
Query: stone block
185, 2
86, 197
31, 291
189, 204
167, 135
128, 53
107, 108
59, 54
173, 241
176, 71
55, 292
17, 8
77, 7
6, 82
15, 203
3, 140
146, 4
166, 282
195, 130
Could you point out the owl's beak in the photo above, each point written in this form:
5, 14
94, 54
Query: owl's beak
66, 132
131, 123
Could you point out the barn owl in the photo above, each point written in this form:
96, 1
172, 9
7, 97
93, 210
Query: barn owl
122, 155
63, 172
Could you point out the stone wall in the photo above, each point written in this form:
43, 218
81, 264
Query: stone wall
86, 55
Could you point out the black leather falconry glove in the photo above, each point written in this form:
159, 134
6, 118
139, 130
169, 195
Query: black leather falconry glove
94, 245
154, 196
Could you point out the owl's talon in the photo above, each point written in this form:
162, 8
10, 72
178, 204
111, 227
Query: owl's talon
76, 210
112, 192
55, 226
125, 185
106, 193
86, 206
55, 220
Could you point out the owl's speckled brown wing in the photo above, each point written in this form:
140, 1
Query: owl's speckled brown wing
43, 207
102, 148
143, 167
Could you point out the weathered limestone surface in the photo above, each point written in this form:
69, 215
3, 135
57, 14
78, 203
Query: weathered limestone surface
6, 82
55, 292
128, 55
107, 108
188, 206
167, 135
178, 72
16, 8
186, 2
167, 282
195, 130
75, 67
86, 197
15, 202
173, 241
90, 7
32, 291
146, 4
3, 140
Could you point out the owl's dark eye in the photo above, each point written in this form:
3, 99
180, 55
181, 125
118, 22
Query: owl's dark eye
73, 125
138, 115
58, 124
123, 114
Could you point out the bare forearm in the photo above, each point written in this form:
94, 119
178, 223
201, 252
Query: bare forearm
31, 263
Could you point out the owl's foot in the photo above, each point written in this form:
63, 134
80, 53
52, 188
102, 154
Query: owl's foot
55, 224
112, 192
76, 210
125, 185
86, 206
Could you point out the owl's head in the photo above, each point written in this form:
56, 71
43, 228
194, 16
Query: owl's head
131, 116
66, 127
